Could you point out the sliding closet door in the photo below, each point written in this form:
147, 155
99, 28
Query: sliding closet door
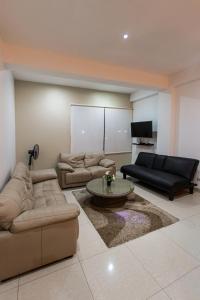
87, 129
117, 130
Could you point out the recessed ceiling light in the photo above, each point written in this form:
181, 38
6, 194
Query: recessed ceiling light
125, 36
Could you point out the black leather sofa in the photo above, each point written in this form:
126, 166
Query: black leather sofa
167, 173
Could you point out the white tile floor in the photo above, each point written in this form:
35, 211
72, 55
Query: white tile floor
164, 264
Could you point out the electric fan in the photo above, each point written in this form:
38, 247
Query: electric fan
34, 153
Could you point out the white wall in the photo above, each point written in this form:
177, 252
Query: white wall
7, 126
45, 111
156, 108
164, 124
146, 110
188, 140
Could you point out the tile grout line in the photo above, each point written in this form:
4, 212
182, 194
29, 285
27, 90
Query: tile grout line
142, 265
42, 276
185, 274
87, 281
163, 288
186, 251
85, 259
18, 289
167, 294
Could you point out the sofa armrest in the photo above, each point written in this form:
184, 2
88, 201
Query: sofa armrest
44, 216
106, 163
43, 175
65, 167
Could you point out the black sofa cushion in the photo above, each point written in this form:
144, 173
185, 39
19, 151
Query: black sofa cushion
159, 162
159, 179
145, 159
180, 166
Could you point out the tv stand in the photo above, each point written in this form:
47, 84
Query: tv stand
143, 144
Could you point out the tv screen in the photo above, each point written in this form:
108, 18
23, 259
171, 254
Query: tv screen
141, 129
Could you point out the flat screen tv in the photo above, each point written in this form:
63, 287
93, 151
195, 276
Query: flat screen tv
141, 129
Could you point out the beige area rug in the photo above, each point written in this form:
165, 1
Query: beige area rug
121, 224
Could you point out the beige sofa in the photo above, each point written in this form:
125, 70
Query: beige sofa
78, 169
37, 225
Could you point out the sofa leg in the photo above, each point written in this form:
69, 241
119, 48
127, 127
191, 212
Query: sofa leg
191, 189
124, 176
171, 196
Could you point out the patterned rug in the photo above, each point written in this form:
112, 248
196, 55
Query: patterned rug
117, 225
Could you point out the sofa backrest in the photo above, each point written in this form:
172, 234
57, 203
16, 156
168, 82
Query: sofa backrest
185, 167
81, 160
159, 162
21, 172
14, 199
93, 159
145, 159
181, 166
74, 160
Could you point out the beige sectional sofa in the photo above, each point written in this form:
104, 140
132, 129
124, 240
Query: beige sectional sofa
77, 169
37, 225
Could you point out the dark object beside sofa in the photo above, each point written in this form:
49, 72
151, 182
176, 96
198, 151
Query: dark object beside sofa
167, 173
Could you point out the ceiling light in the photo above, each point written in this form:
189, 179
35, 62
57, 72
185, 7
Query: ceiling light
125, 36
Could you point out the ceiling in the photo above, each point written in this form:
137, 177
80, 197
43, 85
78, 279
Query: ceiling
163, 35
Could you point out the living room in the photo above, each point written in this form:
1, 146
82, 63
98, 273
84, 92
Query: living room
99, 177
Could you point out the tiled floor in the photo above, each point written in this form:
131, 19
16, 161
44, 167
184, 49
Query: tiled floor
164, 264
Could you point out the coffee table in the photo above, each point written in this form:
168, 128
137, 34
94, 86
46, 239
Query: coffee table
112, 195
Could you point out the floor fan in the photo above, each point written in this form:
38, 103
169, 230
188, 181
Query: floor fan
33, 154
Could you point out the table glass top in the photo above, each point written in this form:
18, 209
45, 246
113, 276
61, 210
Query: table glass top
119, 187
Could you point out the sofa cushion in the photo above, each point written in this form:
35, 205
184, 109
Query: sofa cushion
14, 199
47, 193
49, 199
145, 159
78, 176
106, 163
159, 161
156, 178
65, 167
22, 172
97, 171
75, 161
93, 159
43, 175
180, 166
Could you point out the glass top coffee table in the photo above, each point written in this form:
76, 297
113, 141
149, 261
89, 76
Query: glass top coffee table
104, 195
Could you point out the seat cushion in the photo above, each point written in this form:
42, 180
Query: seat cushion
156, 178
49, 199
14, 199
185, 167
47, 193
97, 171
78, 176
43, 175
145, 159
93, 159
75, 161
46, 186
